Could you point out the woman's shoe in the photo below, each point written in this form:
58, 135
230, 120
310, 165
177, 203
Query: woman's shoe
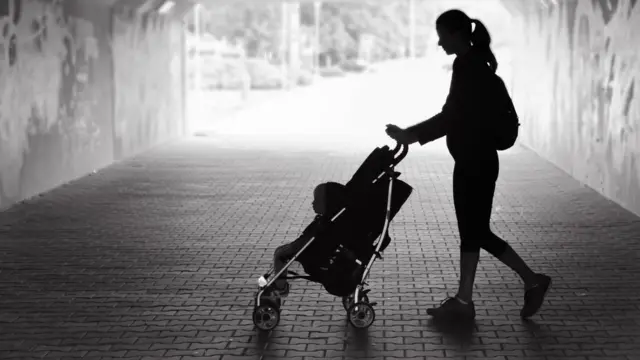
534, 296
452, 307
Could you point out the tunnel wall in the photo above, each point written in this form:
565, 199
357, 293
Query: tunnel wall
81, 87
147, 55
576, 85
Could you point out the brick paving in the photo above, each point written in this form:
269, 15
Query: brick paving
157, 258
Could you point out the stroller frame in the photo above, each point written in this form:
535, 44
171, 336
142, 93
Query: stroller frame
266, 314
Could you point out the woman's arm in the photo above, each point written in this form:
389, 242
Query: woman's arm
429, 130
464, 95
437, 126
423, 132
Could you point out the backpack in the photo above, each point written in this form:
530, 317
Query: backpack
506, 121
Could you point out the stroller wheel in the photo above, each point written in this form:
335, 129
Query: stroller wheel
347, 301
266, 316
361, 315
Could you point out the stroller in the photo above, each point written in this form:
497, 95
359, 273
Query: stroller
341, 257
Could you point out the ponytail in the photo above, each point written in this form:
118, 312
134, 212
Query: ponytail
481, 41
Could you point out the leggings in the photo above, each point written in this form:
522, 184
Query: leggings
474, 185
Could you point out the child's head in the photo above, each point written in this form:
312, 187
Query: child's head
328, 198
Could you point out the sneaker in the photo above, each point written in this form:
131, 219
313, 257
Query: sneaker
534, 296
452, 307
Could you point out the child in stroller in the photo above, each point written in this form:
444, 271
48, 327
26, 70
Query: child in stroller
328, 199
338, 249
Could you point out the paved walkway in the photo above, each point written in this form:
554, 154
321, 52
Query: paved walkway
157, 257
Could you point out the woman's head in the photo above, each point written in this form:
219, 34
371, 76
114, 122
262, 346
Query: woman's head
458, 33
328, 198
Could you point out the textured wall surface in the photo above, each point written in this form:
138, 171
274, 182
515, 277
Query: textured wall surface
575, 82
59, 96
148, 91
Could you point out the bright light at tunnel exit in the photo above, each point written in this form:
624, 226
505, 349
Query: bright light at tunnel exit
166, 7
345, 111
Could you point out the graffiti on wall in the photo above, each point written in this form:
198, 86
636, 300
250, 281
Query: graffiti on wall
577, 89
57, 87
147, 55
78, 126
41, 56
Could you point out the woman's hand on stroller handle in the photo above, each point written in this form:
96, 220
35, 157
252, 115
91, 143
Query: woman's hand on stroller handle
402, 136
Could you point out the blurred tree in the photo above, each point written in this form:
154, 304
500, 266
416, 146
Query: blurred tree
255, 25
258, 26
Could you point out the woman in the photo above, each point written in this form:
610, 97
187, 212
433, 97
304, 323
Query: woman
476, 161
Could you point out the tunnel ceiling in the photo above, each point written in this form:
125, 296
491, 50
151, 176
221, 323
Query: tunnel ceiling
515, 7
143, 6
520, 7
213, 2
181, 7
508, 3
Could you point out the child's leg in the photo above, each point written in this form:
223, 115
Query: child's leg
281, 257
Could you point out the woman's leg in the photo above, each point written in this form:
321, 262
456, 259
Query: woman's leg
482, 205
464, 202
474, 186
462, 305
536, 285
508, 256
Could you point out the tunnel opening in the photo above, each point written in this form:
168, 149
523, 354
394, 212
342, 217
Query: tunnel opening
329, 73
322, 72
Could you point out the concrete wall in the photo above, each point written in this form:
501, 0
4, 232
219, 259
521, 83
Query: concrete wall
80, 88
576, 83
147, 56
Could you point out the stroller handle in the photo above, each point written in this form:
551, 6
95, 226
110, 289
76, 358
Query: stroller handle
403, 153
397, 148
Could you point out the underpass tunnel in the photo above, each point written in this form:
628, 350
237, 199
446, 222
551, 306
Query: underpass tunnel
569, 65
152, 159
86, 83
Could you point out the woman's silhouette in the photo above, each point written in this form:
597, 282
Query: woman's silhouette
463, 121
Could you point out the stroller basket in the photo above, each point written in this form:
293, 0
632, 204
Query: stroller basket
341, 256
